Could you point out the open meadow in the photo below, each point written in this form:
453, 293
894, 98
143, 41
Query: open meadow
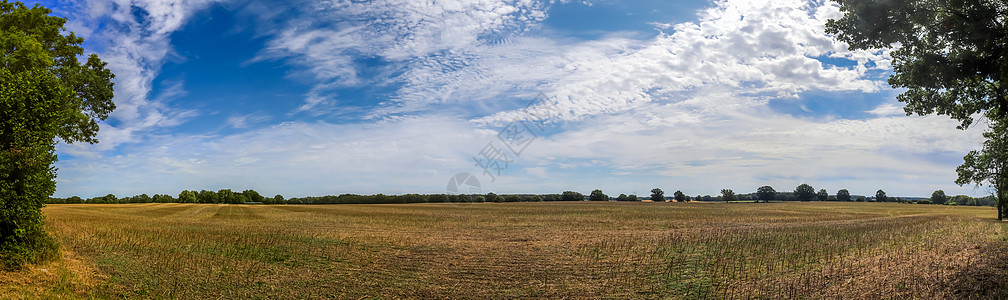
520, 250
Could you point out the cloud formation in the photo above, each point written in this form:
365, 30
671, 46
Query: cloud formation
134, 38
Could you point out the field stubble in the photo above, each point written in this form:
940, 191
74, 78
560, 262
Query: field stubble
521, 250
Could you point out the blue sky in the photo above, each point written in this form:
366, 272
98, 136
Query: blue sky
396, 96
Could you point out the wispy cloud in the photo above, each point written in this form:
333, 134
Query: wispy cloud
759, 49
328, 41
135, 41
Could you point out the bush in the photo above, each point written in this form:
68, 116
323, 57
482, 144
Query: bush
925, 201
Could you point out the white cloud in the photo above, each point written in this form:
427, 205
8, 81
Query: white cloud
887, 109
398, 31
135, 41
292, 158
247, 120
761, 49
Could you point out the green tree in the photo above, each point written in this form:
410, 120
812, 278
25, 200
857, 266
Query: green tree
46, 94
206, 196
822, 195
679, 196
951, 58
657, 195
571, 196
187, 197
622, 197
766, 193
728, 195
632, 197
938, 197
698, 198
804, 192
226, 196
253, 196
843, 195
597, 195
880, 196
990, 166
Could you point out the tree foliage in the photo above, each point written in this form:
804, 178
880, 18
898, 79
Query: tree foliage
598, 195
657, 195
952, 59
822, 195
46, 94
679, 196
571, 196
766, 193
950, 56
938, 197
843, 195
989, 166
728, 195
880, 196
805, 192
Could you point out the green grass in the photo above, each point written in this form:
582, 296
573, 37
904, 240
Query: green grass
526, 250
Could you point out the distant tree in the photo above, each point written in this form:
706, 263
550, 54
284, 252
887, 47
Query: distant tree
74, 200
622, 197
632, 197
707, 198
843, 195
571, 196
480, 198
938, 197
822, 195
240, 198
491, 197
142, 198
804, 192
279, 200
253, 196
499, 199
728, 195
187, 196
679, 196
206, 196
512, 198
227, 196
597, 195
766, 193
657, 195
698, 198
862, 199
880, 196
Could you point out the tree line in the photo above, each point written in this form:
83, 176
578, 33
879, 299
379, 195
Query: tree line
803, 192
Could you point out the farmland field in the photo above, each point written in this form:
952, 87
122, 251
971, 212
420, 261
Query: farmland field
521, 250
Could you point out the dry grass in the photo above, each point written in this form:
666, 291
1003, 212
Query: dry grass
522, 250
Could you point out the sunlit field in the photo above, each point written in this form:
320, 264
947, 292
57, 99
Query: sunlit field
521, 250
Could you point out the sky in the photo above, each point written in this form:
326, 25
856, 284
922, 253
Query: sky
302, 98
